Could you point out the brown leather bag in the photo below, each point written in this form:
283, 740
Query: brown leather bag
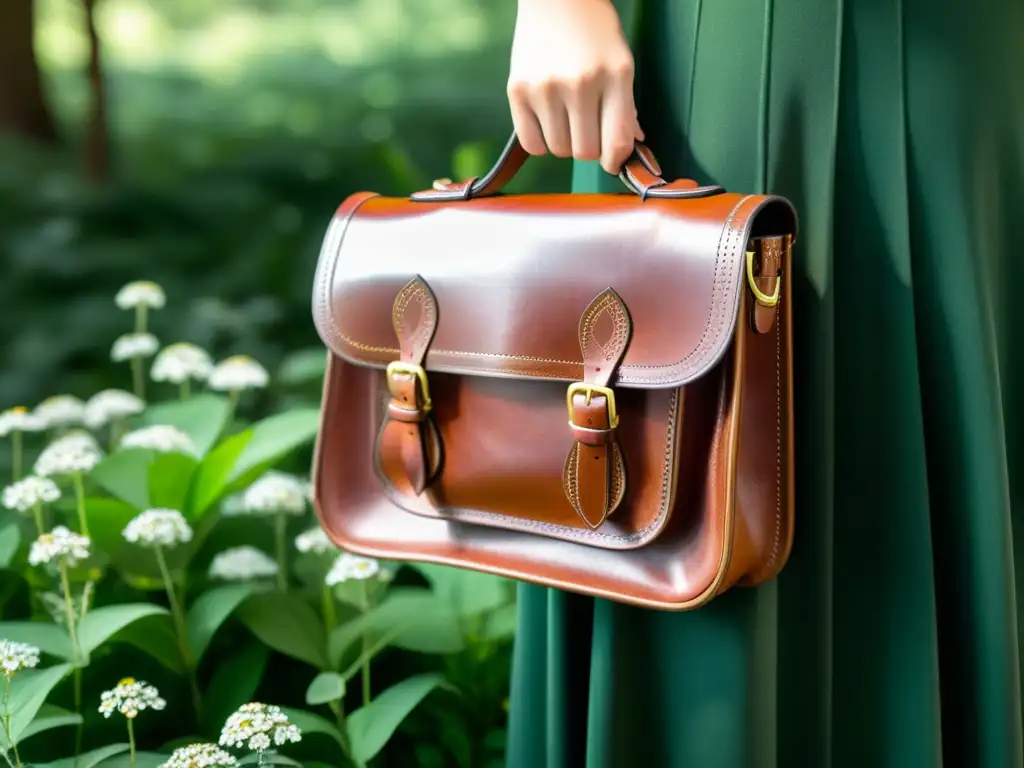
591, 391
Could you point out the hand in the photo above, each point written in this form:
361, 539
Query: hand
570, 83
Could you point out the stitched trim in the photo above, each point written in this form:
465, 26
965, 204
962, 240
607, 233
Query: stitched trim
711, 345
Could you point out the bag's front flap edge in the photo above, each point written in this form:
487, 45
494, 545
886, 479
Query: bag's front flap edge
713, 343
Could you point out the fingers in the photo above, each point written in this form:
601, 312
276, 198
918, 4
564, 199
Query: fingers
619, 126
588, 116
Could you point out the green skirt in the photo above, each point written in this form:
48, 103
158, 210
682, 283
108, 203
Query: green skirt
891, 638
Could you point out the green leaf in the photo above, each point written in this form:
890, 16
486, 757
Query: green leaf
47, 637
370, 727
125, 475
273, 439
287, 625
10, 540
155, 636
87, 759
233, 684
211, 479
29, 690
210, 611
500, 624
270, 759
100, 624
201, 417
414, 619
170, 476
468, 592
303, 367
326, 687
48, 718
142, 760
307, 722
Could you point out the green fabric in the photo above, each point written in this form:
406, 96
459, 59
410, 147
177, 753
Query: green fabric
891, 639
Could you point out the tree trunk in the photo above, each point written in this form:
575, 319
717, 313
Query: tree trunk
23, 107
97, 132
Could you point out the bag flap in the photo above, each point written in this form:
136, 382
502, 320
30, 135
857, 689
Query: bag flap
513, 275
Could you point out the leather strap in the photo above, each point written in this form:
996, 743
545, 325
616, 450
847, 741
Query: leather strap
769, 256
641, 174
594, 477
409, 444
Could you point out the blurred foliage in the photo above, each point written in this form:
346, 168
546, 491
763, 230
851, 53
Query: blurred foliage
237, 128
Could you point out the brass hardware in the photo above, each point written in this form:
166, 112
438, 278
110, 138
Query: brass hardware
399, 367
762, 298
580, 387
441, 185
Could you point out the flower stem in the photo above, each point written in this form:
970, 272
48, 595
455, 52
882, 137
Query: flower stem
131, 741
233, 396
141, 317
364, 605
83, 524
76, 659
339, 714
180, 627
16, 450
7, 721
116, 428
280, 541
330, 617
184, 389
37, 513
138, 380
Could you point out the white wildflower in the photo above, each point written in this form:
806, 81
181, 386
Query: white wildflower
237, 373
159, 437
182, 361
76, 452
200, 756
275, 492
130, 697
15, 657
350, 567
19, 419
241, 564
158, 528
141, 293
29, 492
132, 345
314, 540
60, 544
109, 405
257, 726
60, 411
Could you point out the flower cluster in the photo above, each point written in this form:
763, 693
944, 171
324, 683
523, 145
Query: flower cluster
15, 657
200, 756
258, 726
73, 453
60, 411
275, 492
110, 405
159, 437
140, 293
350, 567
241, 564
30, 492
132, 345
130, 697
19, 420
314, 540
158, 528
238, 373
180, 362
59, 545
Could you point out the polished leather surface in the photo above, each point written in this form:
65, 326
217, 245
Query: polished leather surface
689, 494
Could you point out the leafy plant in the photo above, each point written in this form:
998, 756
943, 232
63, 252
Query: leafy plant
163, 527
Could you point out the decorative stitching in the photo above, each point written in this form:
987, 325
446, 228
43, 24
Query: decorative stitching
611, 305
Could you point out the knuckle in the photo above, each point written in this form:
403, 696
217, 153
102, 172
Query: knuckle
620, 69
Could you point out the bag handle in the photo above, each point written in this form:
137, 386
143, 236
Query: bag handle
641, 174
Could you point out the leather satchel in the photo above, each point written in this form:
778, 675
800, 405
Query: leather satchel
590, 391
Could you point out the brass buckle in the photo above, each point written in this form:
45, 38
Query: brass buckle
589, 390
762, 298
412, 369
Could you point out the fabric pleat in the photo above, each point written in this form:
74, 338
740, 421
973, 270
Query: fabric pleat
893, 638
